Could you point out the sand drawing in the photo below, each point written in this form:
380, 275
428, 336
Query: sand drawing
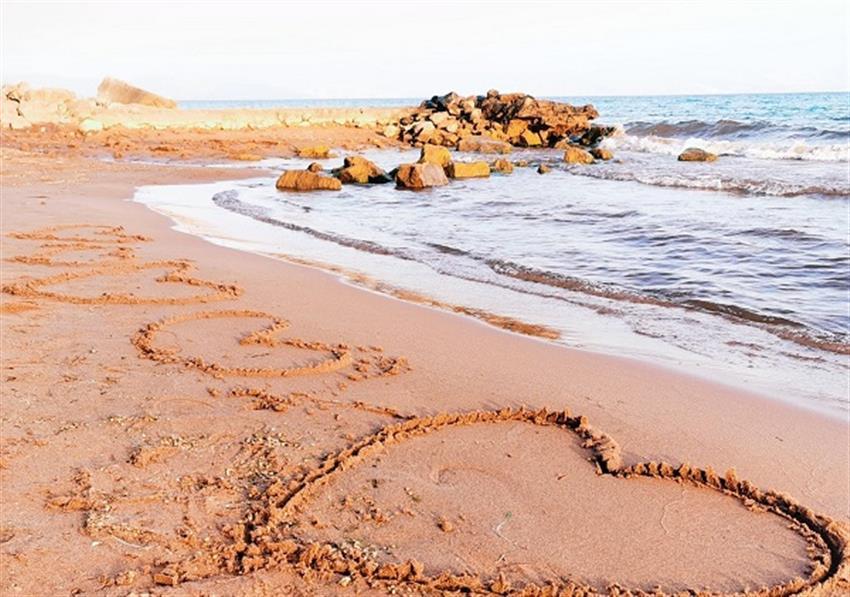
268, 537
92, 234
176, 272
116, 260
273, 494
105, 255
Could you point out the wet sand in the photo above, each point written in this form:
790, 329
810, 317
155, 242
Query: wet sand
183, 418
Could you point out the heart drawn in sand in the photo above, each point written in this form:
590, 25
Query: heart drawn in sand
176, 272
361, 361
274, 534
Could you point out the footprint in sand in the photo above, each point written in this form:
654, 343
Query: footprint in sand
490, 534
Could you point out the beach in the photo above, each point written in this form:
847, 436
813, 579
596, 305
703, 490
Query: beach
184, 417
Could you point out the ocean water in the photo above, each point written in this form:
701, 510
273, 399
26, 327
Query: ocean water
738, 270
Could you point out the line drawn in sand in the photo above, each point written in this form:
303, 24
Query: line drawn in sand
361, 362
99, 234
106, 255
176, 272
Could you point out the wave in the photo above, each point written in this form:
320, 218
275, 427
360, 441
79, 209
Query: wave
789, 149
781, 327
716, 182
729, 128
229, 200
777, 325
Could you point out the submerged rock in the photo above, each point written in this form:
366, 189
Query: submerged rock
118, 92
420, 176
305, 180
502, 165
694, 154
543, 169
358, 170
316, 152
601, 154
577, 155
315, 167
435, 154
468, 170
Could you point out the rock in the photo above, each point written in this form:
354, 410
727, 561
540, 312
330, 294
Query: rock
439, 118
358, 170
543, 169
502, 165
601, 154
304, 180
482, 144
576, 155
118, 92
317, 152
89, 125
435, 154
694, 154
530, 139
515, 128
521, 163
391, 131
420, 176
468, 170
315, 167
245, 157
595, 134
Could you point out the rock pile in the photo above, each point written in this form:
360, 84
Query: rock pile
499, 121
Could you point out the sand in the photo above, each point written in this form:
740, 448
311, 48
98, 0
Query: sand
181, 418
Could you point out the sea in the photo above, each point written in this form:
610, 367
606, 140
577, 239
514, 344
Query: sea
736, 270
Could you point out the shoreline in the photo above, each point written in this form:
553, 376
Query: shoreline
421, 285
97, 424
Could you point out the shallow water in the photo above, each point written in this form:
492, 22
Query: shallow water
737, 269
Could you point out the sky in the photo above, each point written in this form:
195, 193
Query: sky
361, 49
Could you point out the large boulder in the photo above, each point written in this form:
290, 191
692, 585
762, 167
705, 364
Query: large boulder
420, 176
577, 155
482, 144
304, 180
118, 92
358, 170
468, 170
435, 154
694, 154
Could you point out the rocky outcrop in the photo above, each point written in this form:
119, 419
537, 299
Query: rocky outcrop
358, 170
514, 118
694, 154
305, 180
577, 155
113, 91
468, 170
420, 176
